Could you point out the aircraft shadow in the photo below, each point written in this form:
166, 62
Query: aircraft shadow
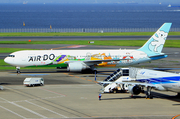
155, 95
167, 97
176, 104
134, 97
45, 71
4, 83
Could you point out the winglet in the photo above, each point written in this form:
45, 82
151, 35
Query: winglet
155, 44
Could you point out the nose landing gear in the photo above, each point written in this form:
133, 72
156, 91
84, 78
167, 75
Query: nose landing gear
18, 70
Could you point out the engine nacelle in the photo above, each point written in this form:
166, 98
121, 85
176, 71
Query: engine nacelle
135, 90
76, 66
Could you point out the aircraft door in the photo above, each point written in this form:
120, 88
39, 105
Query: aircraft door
24, 58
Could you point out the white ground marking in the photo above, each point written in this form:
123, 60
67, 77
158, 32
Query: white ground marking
24, 108
47, 109
52, 92
32, 99
13, 112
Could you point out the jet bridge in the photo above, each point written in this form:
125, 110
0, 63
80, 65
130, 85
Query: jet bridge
119, 75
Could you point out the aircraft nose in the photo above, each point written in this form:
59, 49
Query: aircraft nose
7, 60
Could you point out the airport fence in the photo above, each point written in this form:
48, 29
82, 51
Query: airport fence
101, 30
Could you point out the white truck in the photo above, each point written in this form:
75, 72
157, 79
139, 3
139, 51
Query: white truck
33, 81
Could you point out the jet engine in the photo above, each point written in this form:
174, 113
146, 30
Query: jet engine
77, 66
135, 90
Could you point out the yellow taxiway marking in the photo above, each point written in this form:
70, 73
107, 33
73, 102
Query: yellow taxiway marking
176, 116
83, 78
80, 78
89, 80
65, 73
76, 76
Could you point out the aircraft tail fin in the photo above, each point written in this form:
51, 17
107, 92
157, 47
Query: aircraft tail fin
155, 44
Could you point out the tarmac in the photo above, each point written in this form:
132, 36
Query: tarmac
75, 95
71, 95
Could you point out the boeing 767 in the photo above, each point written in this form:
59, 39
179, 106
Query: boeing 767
78, 60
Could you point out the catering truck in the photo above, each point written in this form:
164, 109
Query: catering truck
33, 81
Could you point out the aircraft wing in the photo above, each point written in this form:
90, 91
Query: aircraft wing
92, 62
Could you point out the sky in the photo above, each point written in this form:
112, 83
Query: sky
95, 1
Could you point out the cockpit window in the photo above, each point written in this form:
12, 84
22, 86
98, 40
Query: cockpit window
11, 55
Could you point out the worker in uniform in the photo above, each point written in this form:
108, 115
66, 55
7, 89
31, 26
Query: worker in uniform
100, 95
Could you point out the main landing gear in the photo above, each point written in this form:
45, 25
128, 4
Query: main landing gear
178, 95
18, 70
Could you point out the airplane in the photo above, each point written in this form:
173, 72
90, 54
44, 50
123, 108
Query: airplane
78, 60
151, 79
